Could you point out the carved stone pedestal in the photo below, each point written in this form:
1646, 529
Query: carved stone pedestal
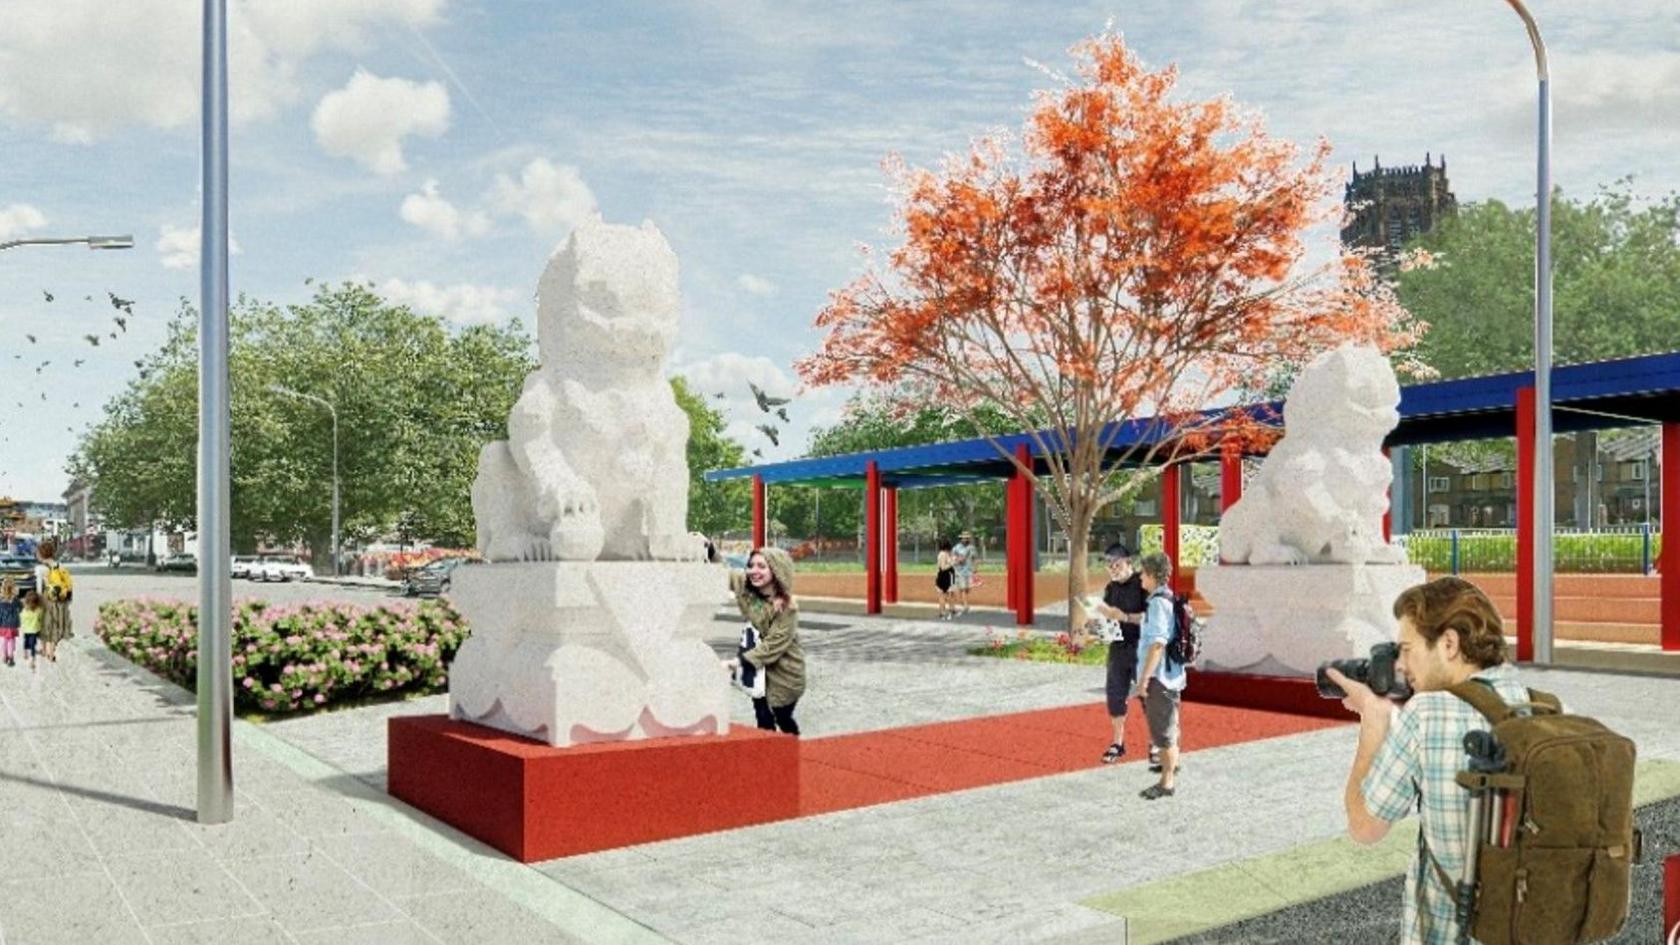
1284, 620
574, 652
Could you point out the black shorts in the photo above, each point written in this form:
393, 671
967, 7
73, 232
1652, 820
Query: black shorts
1122, 672
942, 580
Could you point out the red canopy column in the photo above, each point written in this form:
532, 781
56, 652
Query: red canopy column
758, 511
1170, 504
1669, 564
1019, 541
1525, 524
890, 547
872, 539
1230, 475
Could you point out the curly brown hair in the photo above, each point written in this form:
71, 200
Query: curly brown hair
1450, 603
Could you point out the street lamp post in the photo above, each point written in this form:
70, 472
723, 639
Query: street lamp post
93, 242
1543, 490
278, 389
215, 445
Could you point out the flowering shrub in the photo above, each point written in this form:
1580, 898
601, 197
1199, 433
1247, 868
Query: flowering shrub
1030, 646
1197, 544
297, 657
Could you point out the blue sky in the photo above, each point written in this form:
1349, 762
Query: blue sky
443, 148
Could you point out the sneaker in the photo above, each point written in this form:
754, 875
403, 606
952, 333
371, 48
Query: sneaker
1155, 792
1155, 766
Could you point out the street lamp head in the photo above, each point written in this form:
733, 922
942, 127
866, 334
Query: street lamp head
110, 242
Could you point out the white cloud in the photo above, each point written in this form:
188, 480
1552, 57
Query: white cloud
178, 246
87, 68
756, 285
730, 373
19, 218
549, 196
462, 303
368, 119
431, 212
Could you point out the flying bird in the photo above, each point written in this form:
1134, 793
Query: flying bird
126, 305
92, 340
78, 362
113, 335
121, 322
765, 401
782, 412
756, 452
718, 396
30, 337
770, 432
76, 404
49, 295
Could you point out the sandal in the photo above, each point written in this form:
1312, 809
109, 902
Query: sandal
1114, 753
1154, 792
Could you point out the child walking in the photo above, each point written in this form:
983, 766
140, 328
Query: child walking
11, 613
31, 625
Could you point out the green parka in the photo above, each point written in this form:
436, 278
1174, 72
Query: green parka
778, 652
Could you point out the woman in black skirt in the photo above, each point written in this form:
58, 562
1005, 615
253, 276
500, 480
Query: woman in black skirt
944, 578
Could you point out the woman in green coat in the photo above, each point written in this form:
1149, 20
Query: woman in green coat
764, 592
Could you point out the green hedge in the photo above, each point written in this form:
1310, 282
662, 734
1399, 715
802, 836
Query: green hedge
297, 657
1572, 553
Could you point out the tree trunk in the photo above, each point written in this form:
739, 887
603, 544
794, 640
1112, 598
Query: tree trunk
1079, 532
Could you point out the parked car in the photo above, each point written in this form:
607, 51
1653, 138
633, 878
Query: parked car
243, 565
20, 569
184, 563
280, 568
432, 578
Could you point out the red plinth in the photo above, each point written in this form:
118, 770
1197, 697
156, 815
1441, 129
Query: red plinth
1671, 898
534, 802
1290, 694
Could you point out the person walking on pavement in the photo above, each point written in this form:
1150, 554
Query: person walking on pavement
1123, 602
764, 593
53, 583
962, 567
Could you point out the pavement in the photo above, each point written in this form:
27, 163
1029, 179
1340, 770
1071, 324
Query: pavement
97, 792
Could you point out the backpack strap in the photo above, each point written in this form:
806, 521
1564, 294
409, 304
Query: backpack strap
1483, 699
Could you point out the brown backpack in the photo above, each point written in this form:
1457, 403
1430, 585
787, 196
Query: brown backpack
1559, 870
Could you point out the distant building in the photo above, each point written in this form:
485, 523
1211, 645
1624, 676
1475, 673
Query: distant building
1391, 205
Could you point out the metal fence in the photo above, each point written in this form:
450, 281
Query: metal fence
1612, 549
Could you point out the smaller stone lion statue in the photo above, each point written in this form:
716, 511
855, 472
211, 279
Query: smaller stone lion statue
1321, 493
595, 464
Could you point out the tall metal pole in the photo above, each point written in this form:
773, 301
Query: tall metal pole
337, 548
1544, 496
215, 585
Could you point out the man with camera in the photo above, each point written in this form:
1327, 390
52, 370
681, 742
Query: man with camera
1409, 755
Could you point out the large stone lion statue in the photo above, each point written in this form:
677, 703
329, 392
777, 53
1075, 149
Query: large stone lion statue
1321, 493
594, 466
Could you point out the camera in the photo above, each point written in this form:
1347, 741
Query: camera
1379, 672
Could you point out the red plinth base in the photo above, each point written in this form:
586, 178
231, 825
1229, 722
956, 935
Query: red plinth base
534, 802
1671, 898
1290, 694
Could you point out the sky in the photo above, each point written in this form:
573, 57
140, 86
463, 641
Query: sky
443, 149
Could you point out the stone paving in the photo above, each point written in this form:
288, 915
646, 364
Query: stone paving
96, 790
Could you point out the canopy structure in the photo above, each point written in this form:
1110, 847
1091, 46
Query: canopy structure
1592, 396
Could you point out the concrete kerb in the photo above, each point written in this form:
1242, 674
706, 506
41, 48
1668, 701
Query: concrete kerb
567, 909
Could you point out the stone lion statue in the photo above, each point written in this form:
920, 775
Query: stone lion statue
594, 466
1321, 493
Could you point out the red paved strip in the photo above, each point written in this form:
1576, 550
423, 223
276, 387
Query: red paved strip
848, 771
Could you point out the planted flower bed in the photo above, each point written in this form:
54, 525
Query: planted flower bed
296, 657
1042, 649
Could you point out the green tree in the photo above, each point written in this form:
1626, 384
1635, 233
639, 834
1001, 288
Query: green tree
713, 507
1616, 283
415, 402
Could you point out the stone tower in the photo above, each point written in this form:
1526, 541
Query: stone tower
1390, 205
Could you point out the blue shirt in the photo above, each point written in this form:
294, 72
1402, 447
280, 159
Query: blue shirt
1158, 625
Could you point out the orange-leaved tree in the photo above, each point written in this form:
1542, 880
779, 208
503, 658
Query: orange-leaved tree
1140, 257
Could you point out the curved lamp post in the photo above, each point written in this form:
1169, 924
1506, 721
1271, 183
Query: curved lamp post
93, 242
1543, 493
278, 389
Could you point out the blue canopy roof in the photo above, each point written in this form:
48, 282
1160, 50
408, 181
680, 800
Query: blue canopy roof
1596, 395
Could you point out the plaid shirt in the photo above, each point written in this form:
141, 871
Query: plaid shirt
1423, 752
